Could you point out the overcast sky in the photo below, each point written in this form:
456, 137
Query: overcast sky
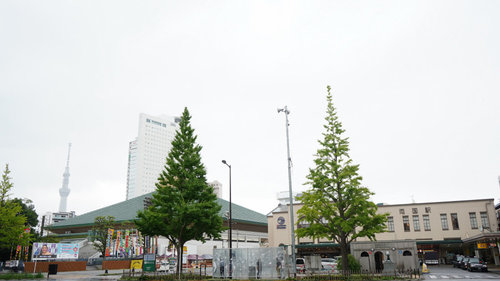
416, 85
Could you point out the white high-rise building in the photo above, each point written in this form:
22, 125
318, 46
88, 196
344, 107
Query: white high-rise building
217, 186
148, 152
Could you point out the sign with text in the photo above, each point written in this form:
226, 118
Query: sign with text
482, 245
281, 223
45, 251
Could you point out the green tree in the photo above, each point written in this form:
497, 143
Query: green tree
337, 206
100, 229
354, 264
28, 210
183, 207
12, 222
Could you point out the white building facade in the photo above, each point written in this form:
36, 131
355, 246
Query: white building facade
148, 152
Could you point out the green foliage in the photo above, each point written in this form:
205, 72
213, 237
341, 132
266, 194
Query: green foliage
12, 222
337, 207
184, 207
28, 210
354, 265
20, 276
100, 229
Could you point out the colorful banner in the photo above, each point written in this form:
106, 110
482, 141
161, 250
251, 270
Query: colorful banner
109, 241
127, 235
44, 251
117, 244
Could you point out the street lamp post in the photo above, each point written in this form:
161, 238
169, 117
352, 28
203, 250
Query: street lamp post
230, 224
286, 111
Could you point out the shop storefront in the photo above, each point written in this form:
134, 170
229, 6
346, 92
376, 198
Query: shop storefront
484, 246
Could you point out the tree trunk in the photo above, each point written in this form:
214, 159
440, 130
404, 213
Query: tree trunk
343, 253
179, 260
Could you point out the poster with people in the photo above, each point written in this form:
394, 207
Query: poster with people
44, 251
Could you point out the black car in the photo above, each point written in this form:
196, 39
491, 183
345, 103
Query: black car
456, 262
463, 263
475, 264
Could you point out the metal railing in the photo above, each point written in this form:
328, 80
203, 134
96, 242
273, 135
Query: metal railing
365, 275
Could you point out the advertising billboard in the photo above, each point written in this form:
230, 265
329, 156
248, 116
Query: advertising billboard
44, 251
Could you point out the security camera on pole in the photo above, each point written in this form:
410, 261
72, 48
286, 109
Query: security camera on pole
230, 224
286, 111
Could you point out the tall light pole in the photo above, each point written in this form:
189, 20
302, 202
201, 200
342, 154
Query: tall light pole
230, 224
292, 224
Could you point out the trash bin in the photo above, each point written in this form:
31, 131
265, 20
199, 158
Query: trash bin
52, 268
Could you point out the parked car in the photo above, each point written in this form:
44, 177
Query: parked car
475, 264
457, 260
463, 263
300, 265
328, 264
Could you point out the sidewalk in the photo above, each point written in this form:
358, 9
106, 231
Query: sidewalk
88, 274
80, 275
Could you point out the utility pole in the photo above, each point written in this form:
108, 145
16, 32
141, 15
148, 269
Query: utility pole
292, 223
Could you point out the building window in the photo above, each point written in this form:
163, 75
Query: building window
484, 220
416, 223
444, 222
427, 209
390, 224
402, 211
454, 221
414, 210
406, 223
473, 220
427, 223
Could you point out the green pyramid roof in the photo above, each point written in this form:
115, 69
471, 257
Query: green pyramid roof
127, 211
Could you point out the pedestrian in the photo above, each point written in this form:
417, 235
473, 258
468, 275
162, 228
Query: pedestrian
222, 269
259, 268
278, 267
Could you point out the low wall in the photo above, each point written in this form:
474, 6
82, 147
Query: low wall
116, 264
43, 266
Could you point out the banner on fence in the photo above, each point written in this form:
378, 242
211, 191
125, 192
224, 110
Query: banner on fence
44, 251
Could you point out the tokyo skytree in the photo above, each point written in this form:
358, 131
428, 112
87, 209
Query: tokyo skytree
64, 190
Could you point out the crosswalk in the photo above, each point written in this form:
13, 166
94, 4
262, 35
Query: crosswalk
452, 276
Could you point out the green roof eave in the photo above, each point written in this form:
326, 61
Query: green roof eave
126, 212
84, 224
81, 234
247, 221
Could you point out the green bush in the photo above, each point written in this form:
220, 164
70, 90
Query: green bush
17, 276
353, 263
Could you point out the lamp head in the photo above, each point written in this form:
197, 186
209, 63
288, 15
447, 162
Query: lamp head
284, 110
224, 161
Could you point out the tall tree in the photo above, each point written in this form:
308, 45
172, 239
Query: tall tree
28, 210
100, 229
12, 222
183, 207
337, 206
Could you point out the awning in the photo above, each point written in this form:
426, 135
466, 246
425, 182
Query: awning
488, 236
320, 245
439, 242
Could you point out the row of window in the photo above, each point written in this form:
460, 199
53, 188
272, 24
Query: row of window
444, 222
156, 123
